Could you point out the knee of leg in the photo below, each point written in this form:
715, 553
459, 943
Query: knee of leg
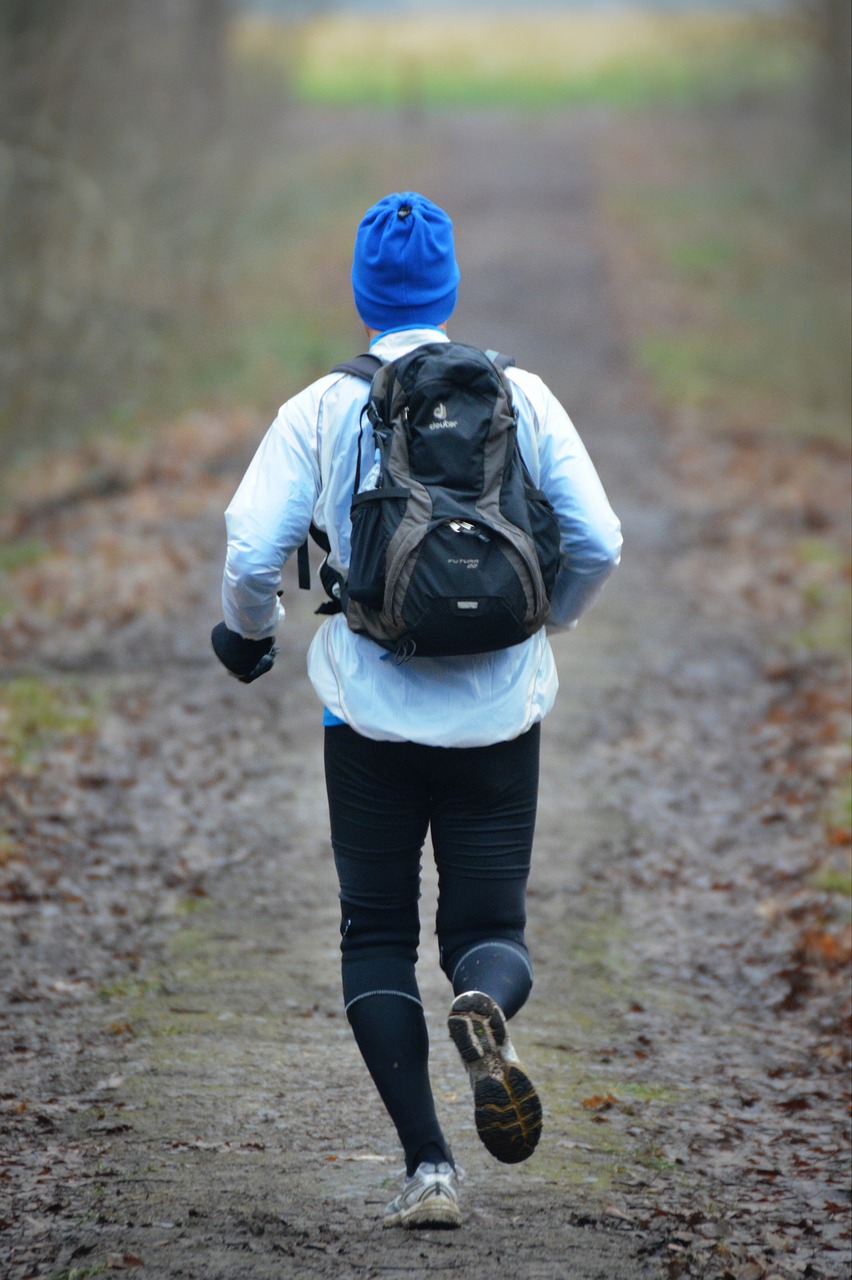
395, 931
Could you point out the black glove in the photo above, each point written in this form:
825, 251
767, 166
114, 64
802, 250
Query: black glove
245, 659
333, 582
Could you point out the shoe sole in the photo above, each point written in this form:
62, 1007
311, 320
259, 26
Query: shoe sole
507, 1110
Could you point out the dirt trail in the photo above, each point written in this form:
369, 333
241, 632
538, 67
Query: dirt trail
204, 1115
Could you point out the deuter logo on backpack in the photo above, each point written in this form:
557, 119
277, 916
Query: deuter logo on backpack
455, 551
440, 419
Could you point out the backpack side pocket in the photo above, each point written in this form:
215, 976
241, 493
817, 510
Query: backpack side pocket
376, 514
545, 532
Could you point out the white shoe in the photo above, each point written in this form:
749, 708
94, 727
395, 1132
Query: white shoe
429, 1198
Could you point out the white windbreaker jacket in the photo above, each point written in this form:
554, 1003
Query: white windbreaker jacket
304, 470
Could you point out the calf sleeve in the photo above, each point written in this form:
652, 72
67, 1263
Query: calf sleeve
501, 969
390, 1031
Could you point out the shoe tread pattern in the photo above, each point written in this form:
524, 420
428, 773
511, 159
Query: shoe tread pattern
508, 1115
507, 1110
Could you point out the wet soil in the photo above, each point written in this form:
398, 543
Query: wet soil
180, 1093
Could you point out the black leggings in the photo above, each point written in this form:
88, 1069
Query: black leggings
480, 803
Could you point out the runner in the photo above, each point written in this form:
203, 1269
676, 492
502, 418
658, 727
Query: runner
447, 745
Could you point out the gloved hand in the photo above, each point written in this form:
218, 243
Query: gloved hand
333, 582
245, 659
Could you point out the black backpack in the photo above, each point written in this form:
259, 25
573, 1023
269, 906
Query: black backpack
454, 551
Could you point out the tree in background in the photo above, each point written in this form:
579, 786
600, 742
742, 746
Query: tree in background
829, 23
117, 182
111, 117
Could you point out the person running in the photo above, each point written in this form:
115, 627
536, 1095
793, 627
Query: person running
440, 745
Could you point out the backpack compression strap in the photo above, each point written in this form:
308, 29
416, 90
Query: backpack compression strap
363, 367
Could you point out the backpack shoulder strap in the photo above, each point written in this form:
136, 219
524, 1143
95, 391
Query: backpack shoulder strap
501, 361
303, 563
362, 366
366, 365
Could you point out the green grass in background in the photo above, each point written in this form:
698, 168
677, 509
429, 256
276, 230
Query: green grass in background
278, 315
293, 319
753, 237
35, 713
732, 227
451, 60
735, 229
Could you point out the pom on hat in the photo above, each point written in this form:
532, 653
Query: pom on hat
404, 269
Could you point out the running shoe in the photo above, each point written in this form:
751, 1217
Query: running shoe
429, 1198
507, 1109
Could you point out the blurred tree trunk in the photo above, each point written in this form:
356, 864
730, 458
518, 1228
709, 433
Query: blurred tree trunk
829, 24
111, 132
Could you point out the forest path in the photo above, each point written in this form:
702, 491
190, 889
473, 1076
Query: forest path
208, 1117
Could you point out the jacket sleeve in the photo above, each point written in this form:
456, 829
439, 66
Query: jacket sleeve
269, 517
589, 528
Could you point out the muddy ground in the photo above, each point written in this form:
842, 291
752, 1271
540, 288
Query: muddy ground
180, 1094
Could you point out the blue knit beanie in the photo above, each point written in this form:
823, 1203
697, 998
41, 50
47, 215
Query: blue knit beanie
404, 269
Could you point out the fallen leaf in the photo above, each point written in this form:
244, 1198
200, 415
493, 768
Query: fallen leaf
600, 1102
381, 1159
794, 1104
829, 948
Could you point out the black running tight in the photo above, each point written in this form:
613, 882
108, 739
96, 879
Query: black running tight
480, 804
